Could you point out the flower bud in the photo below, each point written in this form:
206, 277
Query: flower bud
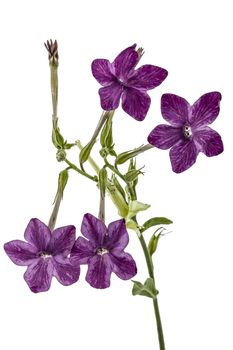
61, 155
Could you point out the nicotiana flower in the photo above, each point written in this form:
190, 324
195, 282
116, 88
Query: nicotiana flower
45, 254
103, 251
120, 80
188, 133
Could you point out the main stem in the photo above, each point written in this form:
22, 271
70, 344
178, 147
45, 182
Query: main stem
150, 268
155, 300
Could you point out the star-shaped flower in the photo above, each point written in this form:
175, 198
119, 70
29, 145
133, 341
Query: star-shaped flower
120, 80
103, 251
45, 254
188, 133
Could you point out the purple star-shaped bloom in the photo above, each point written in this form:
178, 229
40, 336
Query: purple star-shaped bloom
103, 251
120, 80
45, 254
188, 133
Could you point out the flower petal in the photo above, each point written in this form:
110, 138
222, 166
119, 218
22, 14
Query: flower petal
208, 141
93, 229
101, 70
82, 251
99, 271
165, 136
175, 109
123, 264
38, 234
125, 62
136, 103
117, 237
110, 96
21, 253
39, 275
62, 240
183, 155
65, 272
206, 109
147, 77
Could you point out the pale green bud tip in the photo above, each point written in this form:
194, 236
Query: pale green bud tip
61, 155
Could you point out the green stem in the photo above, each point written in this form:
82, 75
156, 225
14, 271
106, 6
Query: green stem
53, 217
155, 301
74, 167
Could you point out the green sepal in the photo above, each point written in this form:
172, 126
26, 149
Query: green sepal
153, 243
57, 138
123, 157
147, 289
132, 175
68, 145
62, 180
85, 152
118, 186
118, 199
154, 222
106, 139
103, 178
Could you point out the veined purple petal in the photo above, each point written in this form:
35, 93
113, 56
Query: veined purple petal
165, 136
93, 229
39, 275
136, 103
99, 271
62, 240
147, 77
21, 253
117, 237
208, 141
125, 62
175, 109
101, 70
38, 234
183, 155
123, 264
82, 251
64, 271
110, 96
206, 109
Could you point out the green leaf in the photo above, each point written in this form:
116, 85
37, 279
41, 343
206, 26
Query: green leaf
85, 152
154, 222
135, 207
147, 289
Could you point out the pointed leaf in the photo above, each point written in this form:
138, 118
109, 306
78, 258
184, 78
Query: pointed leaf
147, 289
154, 222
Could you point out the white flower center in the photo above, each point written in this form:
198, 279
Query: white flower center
102, 251
45, 255
187, 131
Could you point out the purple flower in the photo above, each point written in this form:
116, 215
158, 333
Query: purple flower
103, 251
45, 254
188, 134
120, 80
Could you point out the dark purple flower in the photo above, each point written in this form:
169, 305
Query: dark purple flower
188, 133
120, 80
103, 251
45, 254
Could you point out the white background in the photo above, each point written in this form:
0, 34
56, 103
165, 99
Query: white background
193, 266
